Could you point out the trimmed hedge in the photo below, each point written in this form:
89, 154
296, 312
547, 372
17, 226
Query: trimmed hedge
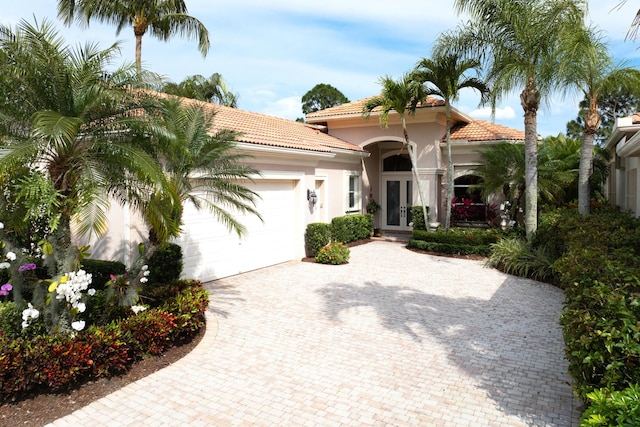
349, 228
318, 234
100, 271
165, 265
417, 218
57, 362
456, 241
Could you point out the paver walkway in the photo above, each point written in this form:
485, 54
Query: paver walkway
394, 338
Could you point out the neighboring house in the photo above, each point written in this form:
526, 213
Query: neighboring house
387, 176
339, 156
623, 185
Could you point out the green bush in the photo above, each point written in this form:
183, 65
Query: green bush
57, 362
165, 265
447, 248
10, 320
459, 236
317, 235
516, 256
333, 253
613, 408
349, 228
417, 218
101, 271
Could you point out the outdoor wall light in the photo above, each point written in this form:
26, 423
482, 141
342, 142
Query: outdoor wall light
312, 197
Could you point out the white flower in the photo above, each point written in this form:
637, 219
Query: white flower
81, 307
144, 267
27, 314
143, 280
1, 225
78, 325
138, 308
11, 256
91, 292
4, 265
146, 273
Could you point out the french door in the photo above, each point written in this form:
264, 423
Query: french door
396, 202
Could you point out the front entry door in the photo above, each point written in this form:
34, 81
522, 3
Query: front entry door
396, 202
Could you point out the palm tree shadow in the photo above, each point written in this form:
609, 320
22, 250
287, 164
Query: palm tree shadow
222, 297
495, 342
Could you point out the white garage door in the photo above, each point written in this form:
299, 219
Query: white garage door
212, 252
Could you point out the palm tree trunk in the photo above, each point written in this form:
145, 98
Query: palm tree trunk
139, 56
414, 167
530, 101
584, 174
447, 222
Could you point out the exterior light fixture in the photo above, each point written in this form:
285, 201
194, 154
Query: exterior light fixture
312, 197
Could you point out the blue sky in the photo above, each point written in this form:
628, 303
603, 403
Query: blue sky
271, 53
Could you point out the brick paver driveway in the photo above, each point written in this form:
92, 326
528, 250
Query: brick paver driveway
393, 338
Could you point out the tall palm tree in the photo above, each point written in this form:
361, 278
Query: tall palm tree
444, 76
518, 42
402, 96
162, 18
64, 116
590, 70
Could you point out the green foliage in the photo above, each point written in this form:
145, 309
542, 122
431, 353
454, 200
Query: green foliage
613, 408
322, 96
166, 264
9, 319
417, 217
57, 362
101, 271
462, 241
448, 248
334, 253
318, 234
516, 256
349, 228
597, 263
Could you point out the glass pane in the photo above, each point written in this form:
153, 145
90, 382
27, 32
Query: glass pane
397, 163
393, 203
409, 201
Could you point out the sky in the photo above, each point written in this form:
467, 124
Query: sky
272, 53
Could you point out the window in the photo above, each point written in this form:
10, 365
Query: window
353, 192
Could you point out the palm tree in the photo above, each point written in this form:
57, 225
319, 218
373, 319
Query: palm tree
202, 165
444, 76
402, 96
64, 116
214, 89
591, 70
163, 18
519, 42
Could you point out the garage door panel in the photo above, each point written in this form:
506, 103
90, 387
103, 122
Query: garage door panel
211, 251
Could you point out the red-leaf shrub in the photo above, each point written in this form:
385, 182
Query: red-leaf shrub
57, 362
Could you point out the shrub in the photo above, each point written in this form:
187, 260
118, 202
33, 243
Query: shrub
516, 256
333, 253
417, 217
166, 264
56, 362
318, 234
456, 241
101, 271
609, 408
349, 228
10, 320
447, 248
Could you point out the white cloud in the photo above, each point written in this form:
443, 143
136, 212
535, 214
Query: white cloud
286, 108
506, 113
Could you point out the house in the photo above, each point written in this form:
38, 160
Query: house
623, 185
341, 158
387, 174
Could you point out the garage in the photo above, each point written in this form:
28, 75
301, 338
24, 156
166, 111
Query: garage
211, 252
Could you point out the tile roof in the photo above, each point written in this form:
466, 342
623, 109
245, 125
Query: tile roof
481, 130
356, 107
271, 131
